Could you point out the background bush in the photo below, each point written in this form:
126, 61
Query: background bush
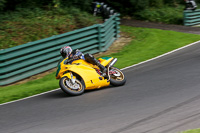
129, 7
27, 25
125, 7
14, 4
23, 21
167, 15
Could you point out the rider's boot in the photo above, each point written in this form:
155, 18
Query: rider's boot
103, 69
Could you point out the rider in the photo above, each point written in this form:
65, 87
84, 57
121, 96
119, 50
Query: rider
76, 54
190, 5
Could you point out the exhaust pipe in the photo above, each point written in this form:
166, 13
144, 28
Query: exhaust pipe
113, 62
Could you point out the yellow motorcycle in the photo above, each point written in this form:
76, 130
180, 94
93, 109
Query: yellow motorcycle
79, 75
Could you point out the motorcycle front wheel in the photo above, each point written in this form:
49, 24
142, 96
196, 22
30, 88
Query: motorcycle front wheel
74, 89
117, 77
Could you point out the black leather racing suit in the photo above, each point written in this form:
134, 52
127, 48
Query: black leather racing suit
77, 54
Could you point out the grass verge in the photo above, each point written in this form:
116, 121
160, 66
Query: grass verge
146, 44
192, 131
149, 43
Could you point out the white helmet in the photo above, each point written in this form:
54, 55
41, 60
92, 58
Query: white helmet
65, 51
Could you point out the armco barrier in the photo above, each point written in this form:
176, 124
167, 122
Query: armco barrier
26, 60
191, 17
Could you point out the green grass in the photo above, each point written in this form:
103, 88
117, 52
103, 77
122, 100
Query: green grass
192, 131
149, 43
30, 88
146, 44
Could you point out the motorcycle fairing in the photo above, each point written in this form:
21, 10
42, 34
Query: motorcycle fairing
87, 72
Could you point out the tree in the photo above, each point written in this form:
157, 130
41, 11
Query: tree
2, 4
156, 3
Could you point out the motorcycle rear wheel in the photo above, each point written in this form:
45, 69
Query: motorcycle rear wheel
67, 87
118, 78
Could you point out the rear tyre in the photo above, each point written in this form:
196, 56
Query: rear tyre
117, 77
72, 89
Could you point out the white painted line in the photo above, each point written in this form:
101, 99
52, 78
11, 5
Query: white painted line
121, 69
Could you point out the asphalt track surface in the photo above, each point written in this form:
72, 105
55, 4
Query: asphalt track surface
160, 96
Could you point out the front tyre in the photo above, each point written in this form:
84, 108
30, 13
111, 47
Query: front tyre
76, 88
117, 77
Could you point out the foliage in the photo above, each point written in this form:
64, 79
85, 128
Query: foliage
130, 7
14, 4
164, 15
146, 44
27, 25
2, 4
156, 3
85, 5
